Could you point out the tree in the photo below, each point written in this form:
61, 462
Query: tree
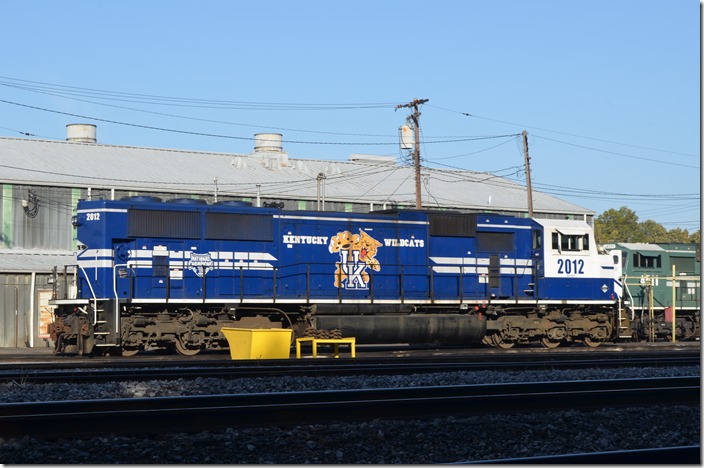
617, 226
653, 232
622, 226
696, 237
678, 235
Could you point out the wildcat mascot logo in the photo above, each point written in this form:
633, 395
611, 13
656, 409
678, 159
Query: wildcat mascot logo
357, 252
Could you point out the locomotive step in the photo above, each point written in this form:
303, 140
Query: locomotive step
335, 342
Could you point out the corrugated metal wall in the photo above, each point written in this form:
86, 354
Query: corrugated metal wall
17, 319
49, 229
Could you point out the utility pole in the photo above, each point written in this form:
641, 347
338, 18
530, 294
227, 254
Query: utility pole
530, 190
416, 154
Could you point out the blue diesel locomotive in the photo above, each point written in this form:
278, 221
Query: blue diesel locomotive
155, 274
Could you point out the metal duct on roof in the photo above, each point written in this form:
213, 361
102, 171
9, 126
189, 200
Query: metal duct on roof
268, 143
81, 133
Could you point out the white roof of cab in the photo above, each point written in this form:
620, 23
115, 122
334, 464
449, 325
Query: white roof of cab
565, 226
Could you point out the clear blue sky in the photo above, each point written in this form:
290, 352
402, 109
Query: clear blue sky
608, 90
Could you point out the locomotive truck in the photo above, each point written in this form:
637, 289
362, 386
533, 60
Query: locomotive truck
153, 274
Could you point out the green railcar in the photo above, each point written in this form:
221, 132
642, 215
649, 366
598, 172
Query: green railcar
648, 289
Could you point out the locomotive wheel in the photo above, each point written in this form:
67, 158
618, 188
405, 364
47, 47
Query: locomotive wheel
668, 337
591, 343
127, 352
184, 350
550, 344
500, 343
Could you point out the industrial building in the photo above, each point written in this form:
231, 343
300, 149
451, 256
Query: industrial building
42, 180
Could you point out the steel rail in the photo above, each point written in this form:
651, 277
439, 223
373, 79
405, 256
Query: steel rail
343, 366
197, 413
688, 454
28, 361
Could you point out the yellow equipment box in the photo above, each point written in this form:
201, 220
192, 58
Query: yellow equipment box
259, 343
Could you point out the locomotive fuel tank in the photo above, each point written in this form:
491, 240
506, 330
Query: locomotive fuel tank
414, 329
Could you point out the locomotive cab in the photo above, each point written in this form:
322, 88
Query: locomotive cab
570, 266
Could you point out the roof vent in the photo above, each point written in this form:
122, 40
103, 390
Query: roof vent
267, 147
81, 133
267, 143
372, 159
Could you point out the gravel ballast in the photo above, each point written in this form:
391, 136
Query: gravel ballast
441, 440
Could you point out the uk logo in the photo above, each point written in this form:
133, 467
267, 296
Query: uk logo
353, 271
357, 255
200, 264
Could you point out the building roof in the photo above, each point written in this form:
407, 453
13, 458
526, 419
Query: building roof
366, 179
640, 246
31, 260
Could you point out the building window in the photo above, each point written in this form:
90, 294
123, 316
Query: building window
646, 261
683, 264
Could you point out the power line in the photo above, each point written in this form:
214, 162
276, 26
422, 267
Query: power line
215, 135
18, 131
617, 154
166, 114
565, 133
187, 132
509, 138
557, 190
184, 102
665, 196
64, 91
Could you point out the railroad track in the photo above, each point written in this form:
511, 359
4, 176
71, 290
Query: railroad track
197, 413
688, 454
169, 370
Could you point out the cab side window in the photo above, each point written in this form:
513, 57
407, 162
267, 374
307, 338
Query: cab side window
570, 242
